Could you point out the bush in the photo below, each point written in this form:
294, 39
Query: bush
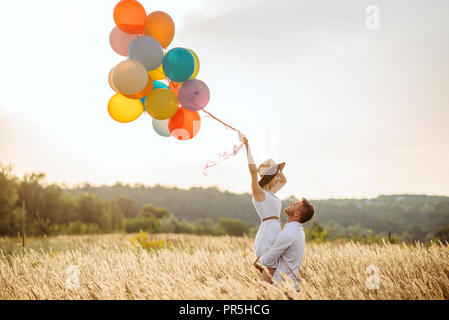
150, 211
142, 240
233, 227
316, 232
167, 225
442, 234
75, 227
206, 226
184, 227
141, 223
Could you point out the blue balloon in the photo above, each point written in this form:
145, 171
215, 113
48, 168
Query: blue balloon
143, 101
159, 85
178, 64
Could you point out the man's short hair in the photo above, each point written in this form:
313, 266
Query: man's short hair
307, 211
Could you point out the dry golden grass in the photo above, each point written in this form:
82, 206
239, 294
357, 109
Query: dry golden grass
201, 267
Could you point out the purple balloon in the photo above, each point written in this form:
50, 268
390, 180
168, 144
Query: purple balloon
194, 95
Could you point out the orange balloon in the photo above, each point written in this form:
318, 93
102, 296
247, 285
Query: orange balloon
146, 91
185, 124
161, 27
174, 86
130, 16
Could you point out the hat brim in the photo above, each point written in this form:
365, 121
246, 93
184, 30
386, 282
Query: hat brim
281, 165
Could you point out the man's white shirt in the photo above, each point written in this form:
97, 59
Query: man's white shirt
287, 251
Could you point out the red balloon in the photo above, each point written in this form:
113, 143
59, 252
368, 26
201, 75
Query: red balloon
130, 16
185, 124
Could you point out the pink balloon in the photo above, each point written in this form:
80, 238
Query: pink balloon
194, 95
120, 41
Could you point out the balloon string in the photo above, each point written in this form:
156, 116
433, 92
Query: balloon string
227, 125
225, 155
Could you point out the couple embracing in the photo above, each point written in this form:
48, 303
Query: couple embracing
279, 250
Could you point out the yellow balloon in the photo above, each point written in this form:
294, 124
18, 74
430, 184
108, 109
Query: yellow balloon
161, 104
124, 110
197, 65
157, 74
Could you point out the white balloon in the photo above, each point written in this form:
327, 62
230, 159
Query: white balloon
161, 127
130, 77
147, 51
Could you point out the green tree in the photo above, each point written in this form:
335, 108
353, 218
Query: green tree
8, 191
443, 234
206, 226
90, 208
167, 224
9, 216
233, 227
149, 211
152, 220
68, 209
30, 190
184, 227
48, 207
316, 232
112, 218
128, 206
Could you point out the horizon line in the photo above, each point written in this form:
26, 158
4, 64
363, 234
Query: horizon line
78, 185
223, 190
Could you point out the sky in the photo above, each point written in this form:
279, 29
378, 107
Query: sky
351, 94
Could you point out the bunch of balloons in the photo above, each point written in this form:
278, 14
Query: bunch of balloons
153, 79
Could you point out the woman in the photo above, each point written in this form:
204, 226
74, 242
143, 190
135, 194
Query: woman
267, 205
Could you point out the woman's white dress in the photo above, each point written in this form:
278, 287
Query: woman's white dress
268, 230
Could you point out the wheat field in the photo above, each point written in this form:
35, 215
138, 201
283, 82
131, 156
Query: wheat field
203, 267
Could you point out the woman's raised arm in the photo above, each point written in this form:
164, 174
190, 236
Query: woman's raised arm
257, 191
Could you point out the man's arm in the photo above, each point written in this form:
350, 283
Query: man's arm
271, 257
266, 275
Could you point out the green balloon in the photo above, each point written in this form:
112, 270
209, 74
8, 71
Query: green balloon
178, 64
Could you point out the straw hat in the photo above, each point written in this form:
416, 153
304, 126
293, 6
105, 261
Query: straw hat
269, 167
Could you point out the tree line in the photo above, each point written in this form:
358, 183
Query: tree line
401, 217
50, 210
53, 209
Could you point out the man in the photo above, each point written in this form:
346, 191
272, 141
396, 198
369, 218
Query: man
287, 251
